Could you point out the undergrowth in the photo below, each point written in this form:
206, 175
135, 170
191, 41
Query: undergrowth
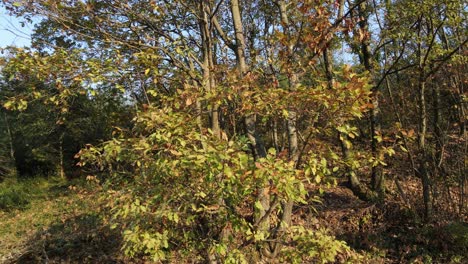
53, 220
17, 194
62, 222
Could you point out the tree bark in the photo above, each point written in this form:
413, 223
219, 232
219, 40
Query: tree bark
62, 168
250, 119
208, 65
263, 196
10, 138
12, 148
291, 121
423, 167
377, 177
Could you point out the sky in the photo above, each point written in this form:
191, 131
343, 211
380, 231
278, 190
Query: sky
11, 31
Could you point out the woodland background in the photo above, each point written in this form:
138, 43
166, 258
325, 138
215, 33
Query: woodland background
235, 131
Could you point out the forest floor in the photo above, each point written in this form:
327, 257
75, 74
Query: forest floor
63, 224
393, 232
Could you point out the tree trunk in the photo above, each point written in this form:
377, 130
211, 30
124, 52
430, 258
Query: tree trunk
12, 148
263, 196
438, 135
62, 168
377, 177
423, 167
250, 119
10, 138
208, 65
291, 123
354, 182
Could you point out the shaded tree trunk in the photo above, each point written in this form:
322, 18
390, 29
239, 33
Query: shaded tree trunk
423, 166
377, 177
61, 164
10, 138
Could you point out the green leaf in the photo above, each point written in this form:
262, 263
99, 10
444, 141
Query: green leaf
259, 206
318, 179
228, 172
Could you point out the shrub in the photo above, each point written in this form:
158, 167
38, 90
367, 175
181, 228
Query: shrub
178, 193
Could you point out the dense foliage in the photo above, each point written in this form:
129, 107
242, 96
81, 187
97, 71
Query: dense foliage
207, 123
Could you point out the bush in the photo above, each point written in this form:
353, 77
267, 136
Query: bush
13, 197
458, 234
177, 193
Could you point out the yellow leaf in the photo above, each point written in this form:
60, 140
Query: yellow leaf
8, 105
318, 179
403, 148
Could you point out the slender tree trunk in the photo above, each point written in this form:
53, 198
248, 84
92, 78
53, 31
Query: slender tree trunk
209, 83
353, 179
377, 177
10, 138
293, 85
208, 65
250, 121
10, 143
327, 60
62, 167
275, 135
439, 137
423, 167
198, 103
291, 123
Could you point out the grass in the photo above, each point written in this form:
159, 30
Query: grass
26, 208
52, 221
18, 194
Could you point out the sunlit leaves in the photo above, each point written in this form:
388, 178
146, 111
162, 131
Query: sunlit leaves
170, 178
16, 104
192, 176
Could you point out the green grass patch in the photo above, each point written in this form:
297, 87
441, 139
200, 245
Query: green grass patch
61, 221
18, 194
